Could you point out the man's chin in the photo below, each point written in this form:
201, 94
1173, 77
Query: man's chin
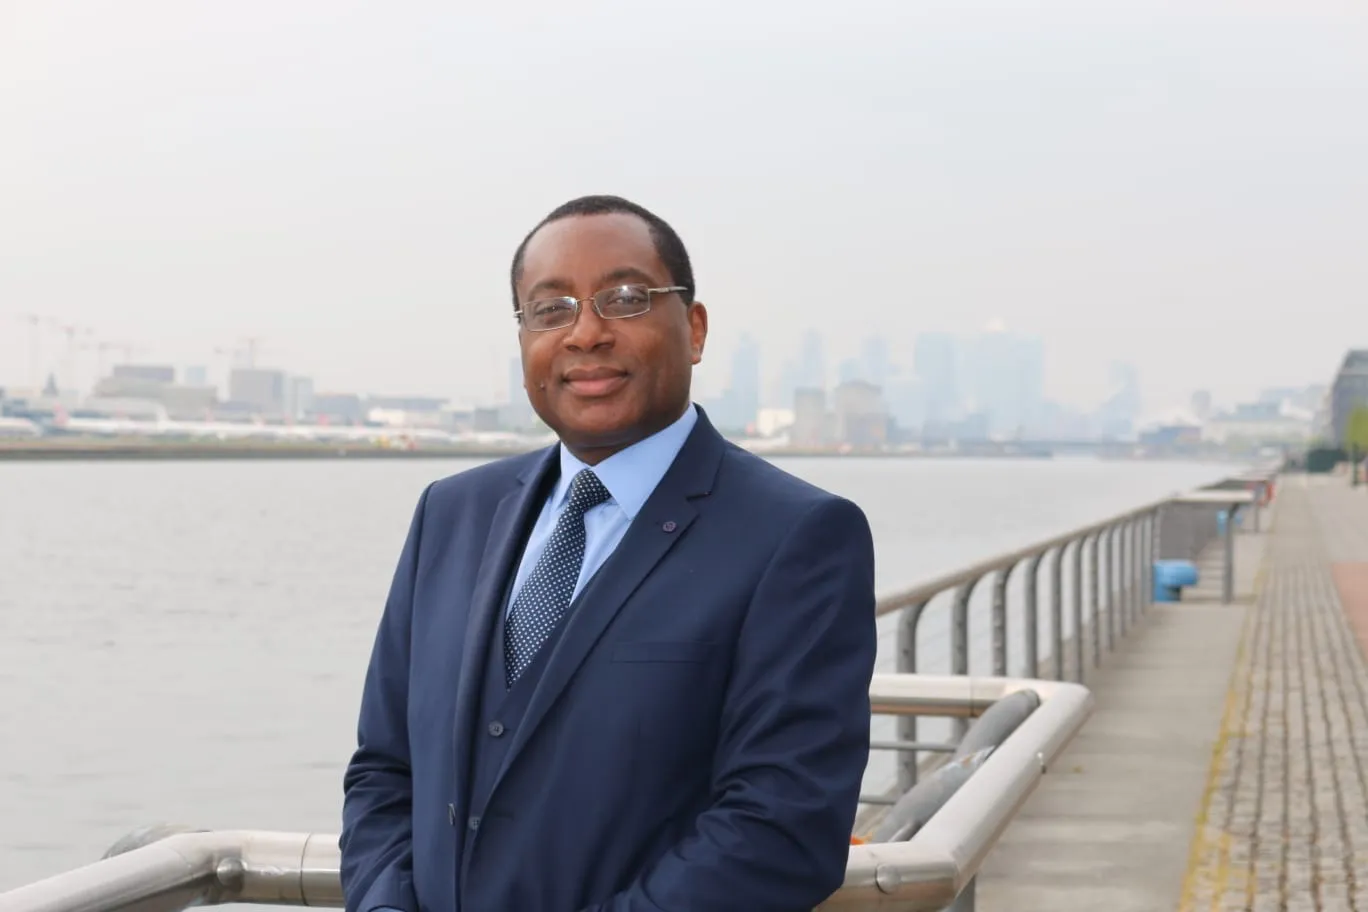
601, 426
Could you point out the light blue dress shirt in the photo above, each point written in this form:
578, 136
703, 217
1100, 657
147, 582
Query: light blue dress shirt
630, 476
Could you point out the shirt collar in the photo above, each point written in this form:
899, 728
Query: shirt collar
632, 474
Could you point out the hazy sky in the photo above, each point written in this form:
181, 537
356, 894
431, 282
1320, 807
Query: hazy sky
1179, 184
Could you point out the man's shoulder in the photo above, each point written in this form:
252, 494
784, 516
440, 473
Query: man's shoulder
489, 481
754, 483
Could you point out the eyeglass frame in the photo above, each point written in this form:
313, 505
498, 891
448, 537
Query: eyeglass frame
520, 313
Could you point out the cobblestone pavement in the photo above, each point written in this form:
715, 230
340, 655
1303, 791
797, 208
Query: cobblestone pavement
1284, 822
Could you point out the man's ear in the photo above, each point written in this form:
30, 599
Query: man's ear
698, 330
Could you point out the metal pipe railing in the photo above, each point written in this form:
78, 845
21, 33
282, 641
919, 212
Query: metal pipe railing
195, 868
1120, 554
926, 872
911, 812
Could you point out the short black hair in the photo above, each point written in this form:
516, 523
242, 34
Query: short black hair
668, 246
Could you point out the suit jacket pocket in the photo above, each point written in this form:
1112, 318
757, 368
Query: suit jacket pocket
665, 651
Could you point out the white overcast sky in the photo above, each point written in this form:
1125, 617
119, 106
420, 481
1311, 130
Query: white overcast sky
1179, 184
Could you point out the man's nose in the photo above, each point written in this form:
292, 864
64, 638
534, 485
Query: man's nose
589, 331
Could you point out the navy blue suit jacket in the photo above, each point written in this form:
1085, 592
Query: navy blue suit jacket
698, 735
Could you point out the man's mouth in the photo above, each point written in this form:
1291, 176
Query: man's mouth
594, 382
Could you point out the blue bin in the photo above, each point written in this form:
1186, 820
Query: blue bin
1170, 576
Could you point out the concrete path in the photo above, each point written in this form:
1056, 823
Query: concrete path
1112, 828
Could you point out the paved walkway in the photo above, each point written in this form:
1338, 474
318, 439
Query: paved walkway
1285, 824
1225, 766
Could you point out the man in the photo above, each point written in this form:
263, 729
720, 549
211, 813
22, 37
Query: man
628, 673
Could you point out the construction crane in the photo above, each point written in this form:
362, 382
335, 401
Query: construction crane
72, 331
243, 353
35, 322
251, 346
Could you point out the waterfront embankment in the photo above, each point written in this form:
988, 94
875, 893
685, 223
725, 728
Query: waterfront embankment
61, 448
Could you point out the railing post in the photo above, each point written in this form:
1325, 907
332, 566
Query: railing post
1128, 573
1094, 598
1138, 568
1192, 550
959, 630
1110, 589
1033, 615
959, 643
1228, 574
1123, 576
1000, 620
1078, 609
1057, 609
908, 620
1147, 563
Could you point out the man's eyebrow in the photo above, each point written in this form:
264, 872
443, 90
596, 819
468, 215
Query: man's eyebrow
607, 280
625, 274
553, 284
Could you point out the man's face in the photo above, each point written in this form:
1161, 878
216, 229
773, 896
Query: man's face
603, 385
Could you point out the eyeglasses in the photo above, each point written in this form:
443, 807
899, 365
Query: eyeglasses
611, 304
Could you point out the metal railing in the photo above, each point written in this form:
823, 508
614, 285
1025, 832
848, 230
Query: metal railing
1119, 555
931, 864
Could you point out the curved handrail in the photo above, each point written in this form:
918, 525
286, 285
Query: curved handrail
194, 868
925, 873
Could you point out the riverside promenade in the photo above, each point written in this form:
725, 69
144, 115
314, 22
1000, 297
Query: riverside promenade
1226, 764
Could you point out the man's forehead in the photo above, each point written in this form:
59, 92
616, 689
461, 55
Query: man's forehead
616, 235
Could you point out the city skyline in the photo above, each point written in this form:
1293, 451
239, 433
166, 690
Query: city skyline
978, 386
95, 354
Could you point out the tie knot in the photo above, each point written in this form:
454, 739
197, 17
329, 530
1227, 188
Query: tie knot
587, 492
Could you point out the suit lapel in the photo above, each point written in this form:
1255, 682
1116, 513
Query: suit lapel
667, 513
512, 517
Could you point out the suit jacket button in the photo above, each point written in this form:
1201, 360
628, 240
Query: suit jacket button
473, 823
496, 729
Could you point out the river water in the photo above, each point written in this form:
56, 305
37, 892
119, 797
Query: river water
185, 641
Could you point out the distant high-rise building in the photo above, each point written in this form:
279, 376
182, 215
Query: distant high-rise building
1120, 410
744, 390
876, 366
851, 370
738, 406
806, 370
812, 370
299, 394
263, 389
811, 424
936, 360
906, 400
1006, 380
1201, 405
861, 420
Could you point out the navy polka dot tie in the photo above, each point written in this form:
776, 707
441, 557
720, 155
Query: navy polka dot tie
543, 599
